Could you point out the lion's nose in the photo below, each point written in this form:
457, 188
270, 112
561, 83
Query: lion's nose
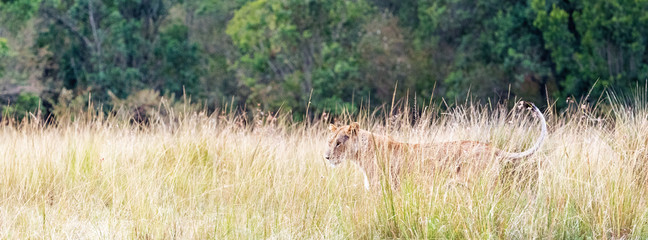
327, 157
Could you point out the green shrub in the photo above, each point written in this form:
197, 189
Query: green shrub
25, 103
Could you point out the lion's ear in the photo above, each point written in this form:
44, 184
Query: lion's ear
354, 128
332, 127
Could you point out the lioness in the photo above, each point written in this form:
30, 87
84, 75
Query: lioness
461, 158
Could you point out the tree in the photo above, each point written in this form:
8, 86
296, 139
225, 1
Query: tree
15, 13
118, 46
481, 47
289, 48
4, 51
593, 41
206, 21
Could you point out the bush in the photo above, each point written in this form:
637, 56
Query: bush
25, 103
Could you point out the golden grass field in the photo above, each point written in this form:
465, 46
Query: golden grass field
198, 176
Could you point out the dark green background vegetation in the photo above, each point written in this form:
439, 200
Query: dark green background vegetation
60, 54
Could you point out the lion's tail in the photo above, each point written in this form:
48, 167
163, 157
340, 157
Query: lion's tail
537, 143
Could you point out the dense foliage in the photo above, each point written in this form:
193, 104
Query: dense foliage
323, 55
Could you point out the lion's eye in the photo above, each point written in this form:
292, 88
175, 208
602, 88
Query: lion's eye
338, 144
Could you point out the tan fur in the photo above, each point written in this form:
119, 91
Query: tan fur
460, 158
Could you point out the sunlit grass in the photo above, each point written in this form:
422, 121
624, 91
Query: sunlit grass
196, 176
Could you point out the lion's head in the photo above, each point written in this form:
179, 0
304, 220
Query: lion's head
342, 144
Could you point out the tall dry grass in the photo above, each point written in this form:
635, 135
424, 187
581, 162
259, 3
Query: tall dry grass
194, 176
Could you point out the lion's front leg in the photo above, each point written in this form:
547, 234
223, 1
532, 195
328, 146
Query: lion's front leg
369, 174
365, 179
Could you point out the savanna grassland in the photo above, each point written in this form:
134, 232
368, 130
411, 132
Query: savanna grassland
216, 176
